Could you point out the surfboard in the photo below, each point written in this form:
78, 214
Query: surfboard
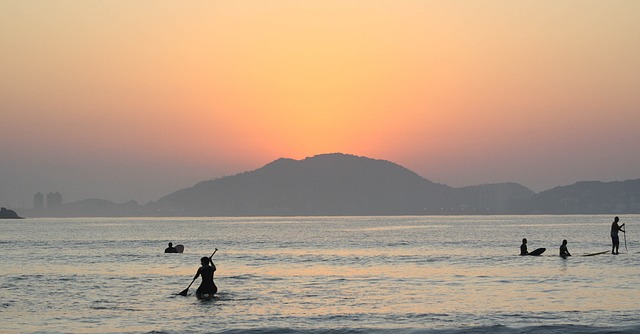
598, 253
537, 252
179, 248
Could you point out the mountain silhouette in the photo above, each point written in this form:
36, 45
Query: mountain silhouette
341, 184
327, 184
589, 197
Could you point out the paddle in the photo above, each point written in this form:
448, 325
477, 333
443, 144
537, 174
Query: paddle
184, 292
624, 232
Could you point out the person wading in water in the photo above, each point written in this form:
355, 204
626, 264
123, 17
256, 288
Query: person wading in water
564, 251
170, 249
523, 247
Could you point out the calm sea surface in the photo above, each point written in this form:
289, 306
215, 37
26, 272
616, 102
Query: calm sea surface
427, 274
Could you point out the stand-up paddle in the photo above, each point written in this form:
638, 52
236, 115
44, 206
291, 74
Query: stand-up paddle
625, 240
184, 292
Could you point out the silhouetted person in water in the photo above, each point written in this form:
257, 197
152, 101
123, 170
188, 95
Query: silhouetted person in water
170, 249
523, 247
615, 241
564, 252
206, 286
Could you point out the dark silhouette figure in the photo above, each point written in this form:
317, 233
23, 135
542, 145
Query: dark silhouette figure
8, 214
524, 251
564, 252
170, 249
207, 287
615, 241
523, 247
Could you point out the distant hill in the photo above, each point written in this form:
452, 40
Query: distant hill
329, 184
497, 198
8, 214
589, 197
341, 184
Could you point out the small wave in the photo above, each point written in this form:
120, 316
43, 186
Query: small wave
493, 329
242, 277
108, 305
27, 277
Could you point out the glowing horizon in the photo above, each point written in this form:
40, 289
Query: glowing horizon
165, 94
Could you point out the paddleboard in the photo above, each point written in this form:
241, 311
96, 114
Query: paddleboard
537, 252
598, 253
179, 248
205, 296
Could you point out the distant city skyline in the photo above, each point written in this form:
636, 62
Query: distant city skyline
51, 200
122, 100
347, 185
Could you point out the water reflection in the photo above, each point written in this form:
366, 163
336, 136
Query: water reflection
390, 272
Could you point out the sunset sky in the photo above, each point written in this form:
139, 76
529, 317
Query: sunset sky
131, 100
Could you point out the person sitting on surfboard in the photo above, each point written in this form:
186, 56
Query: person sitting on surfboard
615, 241
523, 247
524, 251
207, 287
170, 249
564, 252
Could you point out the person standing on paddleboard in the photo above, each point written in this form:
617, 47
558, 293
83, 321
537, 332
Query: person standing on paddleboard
207, 287
615, 241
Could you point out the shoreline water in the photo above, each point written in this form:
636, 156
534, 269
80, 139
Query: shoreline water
318, 275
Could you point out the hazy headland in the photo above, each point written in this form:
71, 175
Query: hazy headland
342, 184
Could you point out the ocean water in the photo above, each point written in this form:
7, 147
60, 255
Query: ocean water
421, 274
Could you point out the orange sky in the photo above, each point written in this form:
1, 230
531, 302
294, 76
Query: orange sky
134, 99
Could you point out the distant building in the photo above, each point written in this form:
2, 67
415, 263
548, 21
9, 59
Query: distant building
54, 200
38, 201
